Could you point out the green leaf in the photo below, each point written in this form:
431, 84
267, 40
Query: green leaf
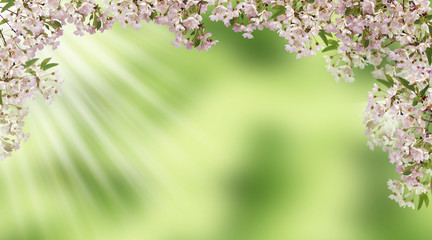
279, 8
429, 55
197, 43
366, 43
153, 15
30, 62
55, 24
329, 48
45, 62
406, 84
333, 42
234, 20
276, 14
387, 84
426, 199
323, 36
420, 204
9, 4
1, 97
390, 79
96, 23
408, 170
279, 11
348, 11
423, 92
48, 66
415, 102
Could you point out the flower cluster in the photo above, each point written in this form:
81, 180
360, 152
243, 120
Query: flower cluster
393, 36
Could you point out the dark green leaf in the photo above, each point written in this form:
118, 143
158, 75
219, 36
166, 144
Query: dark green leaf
366, 43
233, 21
45, 62
329, 48
8, 5
48, 66
153, 15
423, 92
387, 84
429, 55
406, 84
276, 14
420, 204
426, 199
279, 8
98, 25
323, 37
55, 24
30, 62
333, 42
197, 43
390, 79
279, 11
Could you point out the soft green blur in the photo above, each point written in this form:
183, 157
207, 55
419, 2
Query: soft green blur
157, 143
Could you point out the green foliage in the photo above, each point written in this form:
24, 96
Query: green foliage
45, 65
406, 84
277, 11
9, 3
323, 36
30, 62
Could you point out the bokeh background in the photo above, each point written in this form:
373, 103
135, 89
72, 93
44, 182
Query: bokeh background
243, 142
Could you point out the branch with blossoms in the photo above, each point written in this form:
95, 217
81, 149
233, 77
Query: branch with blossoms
393, 36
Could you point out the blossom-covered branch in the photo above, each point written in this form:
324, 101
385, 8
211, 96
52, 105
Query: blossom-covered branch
393, 36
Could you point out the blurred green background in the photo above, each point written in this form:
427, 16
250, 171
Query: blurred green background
242, 142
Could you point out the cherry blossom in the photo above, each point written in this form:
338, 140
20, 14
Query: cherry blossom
394, 37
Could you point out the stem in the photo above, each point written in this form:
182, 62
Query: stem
3, 38
7, 22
